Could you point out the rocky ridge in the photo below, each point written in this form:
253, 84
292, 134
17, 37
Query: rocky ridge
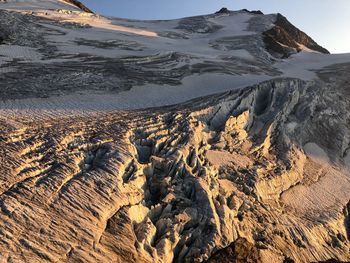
80, 5
284, 39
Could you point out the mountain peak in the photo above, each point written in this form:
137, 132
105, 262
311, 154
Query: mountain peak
284, 39
223, 10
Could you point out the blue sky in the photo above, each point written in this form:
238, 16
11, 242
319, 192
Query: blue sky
327, 21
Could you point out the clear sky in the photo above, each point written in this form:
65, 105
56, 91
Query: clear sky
326, 21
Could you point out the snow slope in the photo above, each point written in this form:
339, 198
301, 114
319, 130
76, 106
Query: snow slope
72, 60
38, 5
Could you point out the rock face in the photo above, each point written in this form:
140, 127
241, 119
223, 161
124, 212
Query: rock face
223, 10
256, 12
79, 5
240, 171
284, 39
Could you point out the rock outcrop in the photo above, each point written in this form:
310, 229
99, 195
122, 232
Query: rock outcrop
284, 39
255, 12
79, 5
223, 10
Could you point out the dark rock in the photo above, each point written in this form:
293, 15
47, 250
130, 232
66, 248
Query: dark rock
288, 260
347, 220
79, 5
335, 242
240, 216
298, 242
261, 219
223, 10
255, 12
239, 251
283, 39
260, 236
4, 35
341, 237
261, 245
